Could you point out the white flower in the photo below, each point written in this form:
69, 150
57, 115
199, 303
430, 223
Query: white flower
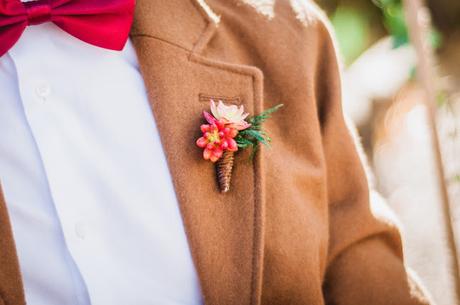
230, 114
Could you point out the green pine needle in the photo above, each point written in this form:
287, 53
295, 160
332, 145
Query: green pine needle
254, 135
257, 120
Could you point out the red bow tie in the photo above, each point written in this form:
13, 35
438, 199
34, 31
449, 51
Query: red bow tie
104, 23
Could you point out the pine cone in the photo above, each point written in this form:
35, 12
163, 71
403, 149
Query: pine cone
224, 167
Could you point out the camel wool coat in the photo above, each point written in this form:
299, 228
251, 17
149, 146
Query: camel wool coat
296, 227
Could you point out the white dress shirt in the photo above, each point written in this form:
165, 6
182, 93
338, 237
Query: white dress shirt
94, 213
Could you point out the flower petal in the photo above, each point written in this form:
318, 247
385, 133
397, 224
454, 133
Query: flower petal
242, 126
233, 132
232, 146
232, 111
207, 154
213, 158
222, 109
220, 124
214, 109
202, 142
209, 117
217, 153
204, 128
241, 111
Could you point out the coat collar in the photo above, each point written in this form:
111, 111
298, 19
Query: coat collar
225, 231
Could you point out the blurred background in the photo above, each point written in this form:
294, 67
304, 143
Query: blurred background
402, 78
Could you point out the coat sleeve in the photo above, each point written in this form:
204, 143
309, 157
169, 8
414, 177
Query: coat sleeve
365, 261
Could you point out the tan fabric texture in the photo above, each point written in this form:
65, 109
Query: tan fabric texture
296, 226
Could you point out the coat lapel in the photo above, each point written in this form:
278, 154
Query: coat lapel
11, 286
225, 231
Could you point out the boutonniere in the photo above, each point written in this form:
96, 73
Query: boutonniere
227, 131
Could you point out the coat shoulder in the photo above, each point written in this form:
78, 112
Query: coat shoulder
271, 24
263, 12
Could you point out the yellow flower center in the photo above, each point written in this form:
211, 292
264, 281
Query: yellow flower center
214, 137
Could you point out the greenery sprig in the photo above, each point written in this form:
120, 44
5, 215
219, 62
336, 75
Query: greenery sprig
254, 135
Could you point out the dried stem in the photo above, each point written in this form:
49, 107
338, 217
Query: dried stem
224, 167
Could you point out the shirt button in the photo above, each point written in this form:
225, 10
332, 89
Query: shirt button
43, 90
80, 230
